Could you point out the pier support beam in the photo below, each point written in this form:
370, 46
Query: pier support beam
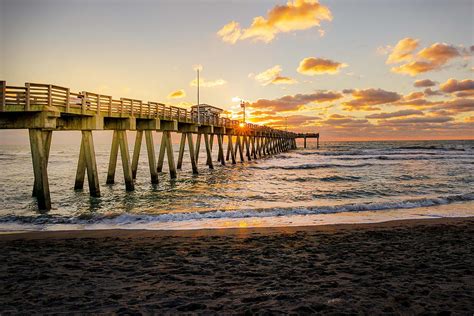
208, 151
230, 149
220, 155
166, 146
191, 151
182, 144
136, 153
119, 140
150, 146
305, 143
47, 135
87, 162
247, 147
39, 146
238, 146
198, 146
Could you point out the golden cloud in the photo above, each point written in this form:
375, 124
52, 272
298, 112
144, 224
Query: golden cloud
177, 94
403, 51
430, 58
294, 16
203, 83
273, 76
367, 99
317, 66
296, 102
414, 95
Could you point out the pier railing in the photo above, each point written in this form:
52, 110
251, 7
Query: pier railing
39, 97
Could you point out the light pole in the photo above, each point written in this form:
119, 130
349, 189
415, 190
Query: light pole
198, 68
242, 105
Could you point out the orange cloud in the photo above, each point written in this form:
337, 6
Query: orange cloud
203, 83
367, 99
317, 66
295, 102
428, 59
294, 16
424, 83
273, 76
414, 95
403, 51
177, 94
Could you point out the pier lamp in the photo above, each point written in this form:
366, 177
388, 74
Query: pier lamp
242, 106
198, 68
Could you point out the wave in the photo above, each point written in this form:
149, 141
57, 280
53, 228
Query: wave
129, 219
312, 166
431, 148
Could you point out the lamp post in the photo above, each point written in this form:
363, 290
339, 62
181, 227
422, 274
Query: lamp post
198, 68
242, 105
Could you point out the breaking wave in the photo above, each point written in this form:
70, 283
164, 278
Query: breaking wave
130, 219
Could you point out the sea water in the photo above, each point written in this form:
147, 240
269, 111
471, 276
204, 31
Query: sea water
339, 182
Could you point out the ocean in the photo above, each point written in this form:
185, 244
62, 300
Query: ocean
341, 182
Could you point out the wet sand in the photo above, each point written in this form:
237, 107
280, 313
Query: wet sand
407, 267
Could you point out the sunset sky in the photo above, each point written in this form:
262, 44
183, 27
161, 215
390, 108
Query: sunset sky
349, 69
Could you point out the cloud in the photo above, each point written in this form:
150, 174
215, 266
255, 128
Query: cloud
414, 95
417, 120
203, 83
230, 32
273, 76
292, 121
428, 92
428, 59
457, 105
424, 83
177, 94
403, 51
283, 80
294, 16
317, 66
394, 114
453, 85
295, 102
367, 99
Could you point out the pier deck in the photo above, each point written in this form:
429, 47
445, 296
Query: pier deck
44, 108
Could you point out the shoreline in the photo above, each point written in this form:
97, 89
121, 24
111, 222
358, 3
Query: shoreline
239, 232
452, 210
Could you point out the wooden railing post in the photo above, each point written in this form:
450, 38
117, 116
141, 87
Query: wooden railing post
98, 104
110, 106
3, 92
27, 97
131, 107
68, 94
50, 97
83, 104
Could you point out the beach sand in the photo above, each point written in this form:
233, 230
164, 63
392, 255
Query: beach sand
407, 267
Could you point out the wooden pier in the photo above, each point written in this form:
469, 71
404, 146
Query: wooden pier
44, 108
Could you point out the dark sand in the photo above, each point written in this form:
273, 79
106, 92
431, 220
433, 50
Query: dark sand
404, 267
